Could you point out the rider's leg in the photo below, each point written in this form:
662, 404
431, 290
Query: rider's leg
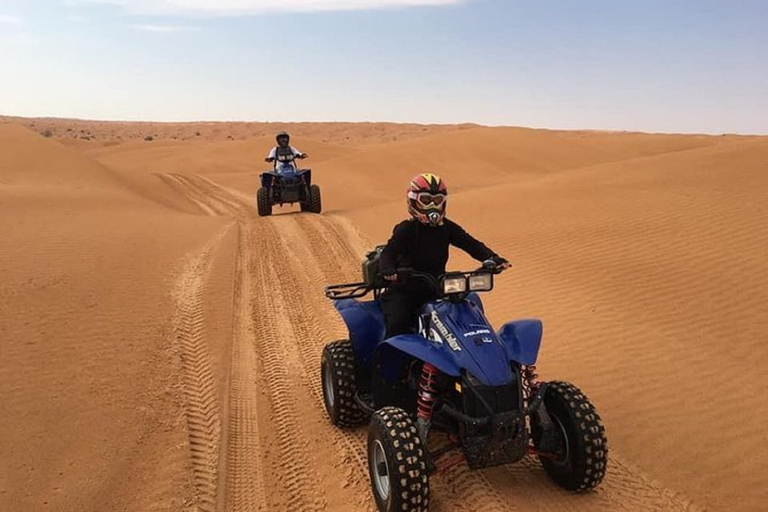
399, 312
387, 376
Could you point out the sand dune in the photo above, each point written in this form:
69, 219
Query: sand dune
33, 163
161, 343
91, 414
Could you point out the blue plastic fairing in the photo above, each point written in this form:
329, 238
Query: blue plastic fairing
365, 322
522, 339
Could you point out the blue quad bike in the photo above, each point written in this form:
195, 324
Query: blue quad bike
287, 184
457, 375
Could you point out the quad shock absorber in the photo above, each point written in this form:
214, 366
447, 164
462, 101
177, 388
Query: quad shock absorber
534, 392
530, 381
426, 400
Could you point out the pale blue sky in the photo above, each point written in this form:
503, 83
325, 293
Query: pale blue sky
651, 65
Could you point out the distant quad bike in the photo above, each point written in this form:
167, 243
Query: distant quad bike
457, 375
287, 184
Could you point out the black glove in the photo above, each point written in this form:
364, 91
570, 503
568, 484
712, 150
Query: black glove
389, 275
496, 264
499, 261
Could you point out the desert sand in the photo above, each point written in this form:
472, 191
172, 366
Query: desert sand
160, 343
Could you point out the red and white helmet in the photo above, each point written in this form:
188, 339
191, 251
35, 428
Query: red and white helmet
427, 195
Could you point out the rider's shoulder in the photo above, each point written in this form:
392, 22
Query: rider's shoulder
405, 226
454, 229
448, 223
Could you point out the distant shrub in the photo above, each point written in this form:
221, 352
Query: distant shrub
149, 138
47, 133
197, 134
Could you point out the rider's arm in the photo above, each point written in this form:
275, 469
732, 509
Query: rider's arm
395, 247
296, 152
468, 243
272, 154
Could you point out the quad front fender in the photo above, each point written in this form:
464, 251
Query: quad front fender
418, 347
521, 340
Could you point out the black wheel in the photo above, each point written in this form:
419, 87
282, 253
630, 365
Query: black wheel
305, 204
315, 204
262, 202
337, 368
578, 439
396, 462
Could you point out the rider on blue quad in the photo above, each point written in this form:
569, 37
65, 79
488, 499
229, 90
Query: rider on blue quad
284, 154
422, 356
420, 244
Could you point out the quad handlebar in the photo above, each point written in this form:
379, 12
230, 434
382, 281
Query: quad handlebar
357, 290
301, 156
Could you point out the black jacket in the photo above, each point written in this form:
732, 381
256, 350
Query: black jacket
425, 248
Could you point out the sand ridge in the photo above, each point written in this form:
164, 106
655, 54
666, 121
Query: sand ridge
161, 343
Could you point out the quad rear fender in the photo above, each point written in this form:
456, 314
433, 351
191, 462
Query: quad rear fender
365, 322
268, 178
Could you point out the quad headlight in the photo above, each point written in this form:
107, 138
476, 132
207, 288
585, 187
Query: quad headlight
456, 284
481, 282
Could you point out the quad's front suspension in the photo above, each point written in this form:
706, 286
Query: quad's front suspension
426, 400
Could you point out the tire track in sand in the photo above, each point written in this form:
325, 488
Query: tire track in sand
244, 479
208, 196
240, 482
202, 408
301, 271
181, 185
258, 362
277, 373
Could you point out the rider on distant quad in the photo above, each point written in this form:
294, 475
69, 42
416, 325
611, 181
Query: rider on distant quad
421, 244
284, 154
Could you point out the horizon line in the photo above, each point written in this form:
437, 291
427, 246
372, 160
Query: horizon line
404, 123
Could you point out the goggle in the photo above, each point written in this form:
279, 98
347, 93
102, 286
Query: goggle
427, 199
